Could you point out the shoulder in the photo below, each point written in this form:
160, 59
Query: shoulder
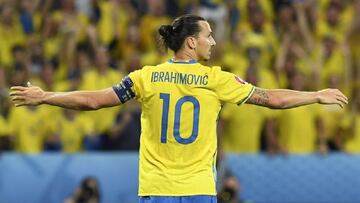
211, 70
139, 74
144, 69
218, 73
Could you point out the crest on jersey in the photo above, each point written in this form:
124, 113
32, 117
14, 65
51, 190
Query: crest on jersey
237, 78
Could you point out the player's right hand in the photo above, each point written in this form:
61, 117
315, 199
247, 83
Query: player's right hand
26, 96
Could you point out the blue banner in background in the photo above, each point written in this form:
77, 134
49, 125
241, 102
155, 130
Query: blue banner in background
51, 178
333, 178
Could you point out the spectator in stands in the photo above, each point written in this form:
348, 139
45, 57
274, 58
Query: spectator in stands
331, 115
301, 129
87, 192
104, 76
11, 32
318, 38
350, 134
5, 139
236, 138
190, 38
28, 136
284, 19
115, 17
125, 133
229, 192
150, 22
333, 20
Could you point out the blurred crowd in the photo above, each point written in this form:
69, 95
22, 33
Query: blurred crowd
92, 44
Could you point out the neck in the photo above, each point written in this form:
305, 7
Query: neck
183, 55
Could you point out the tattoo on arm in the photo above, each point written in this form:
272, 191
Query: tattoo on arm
259, 97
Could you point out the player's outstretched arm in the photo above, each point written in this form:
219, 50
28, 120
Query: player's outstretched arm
285, 98
78, 100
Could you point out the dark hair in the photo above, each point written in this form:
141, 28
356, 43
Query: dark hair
173, 36
89, 190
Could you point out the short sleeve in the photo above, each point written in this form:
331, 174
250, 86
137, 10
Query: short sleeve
231, 88
129, 87
135, 76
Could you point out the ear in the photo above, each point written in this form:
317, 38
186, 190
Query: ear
191, 42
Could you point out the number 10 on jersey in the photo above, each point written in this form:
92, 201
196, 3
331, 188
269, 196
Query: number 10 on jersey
165, 118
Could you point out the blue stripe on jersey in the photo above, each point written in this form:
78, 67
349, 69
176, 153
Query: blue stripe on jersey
192, 61
123, 90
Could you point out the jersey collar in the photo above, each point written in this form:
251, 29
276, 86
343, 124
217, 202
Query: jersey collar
192, 61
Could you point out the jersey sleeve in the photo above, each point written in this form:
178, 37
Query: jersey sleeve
129, 87
231, 88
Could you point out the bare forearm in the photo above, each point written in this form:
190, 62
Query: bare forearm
78, 100
285, 98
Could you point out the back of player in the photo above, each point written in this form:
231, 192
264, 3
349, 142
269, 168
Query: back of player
180, 102
180, 106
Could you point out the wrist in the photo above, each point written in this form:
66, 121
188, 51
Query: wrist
317, 96
44, 97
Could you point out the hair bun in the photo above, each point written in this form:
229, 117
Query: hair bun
165, 31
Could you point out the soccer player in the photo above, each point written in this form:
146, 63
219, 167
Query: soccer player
180, 101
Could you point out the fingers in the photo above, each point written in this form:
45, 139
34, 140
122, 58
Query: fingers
21, 88
342, 99
18, 102
16, 98
340, 94
15, 93
18, 88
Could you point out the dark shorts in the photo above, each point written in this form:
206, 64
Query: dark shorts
178, 199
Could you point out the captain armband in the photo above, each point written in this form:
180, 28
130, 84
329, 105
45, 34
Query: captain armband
123, 90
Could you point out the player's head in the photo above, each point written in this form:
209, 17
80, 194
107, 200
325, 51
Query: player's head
189, 33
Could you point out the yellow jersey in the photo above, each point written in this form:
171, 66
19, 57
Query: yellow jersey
351, 125
180, 106
298, 130
4, 128
73, 127
242, 129
93, 80
28, 126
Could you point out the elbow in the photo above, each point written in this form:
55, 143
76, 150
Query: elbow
93, 107
92, 104
278, 103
